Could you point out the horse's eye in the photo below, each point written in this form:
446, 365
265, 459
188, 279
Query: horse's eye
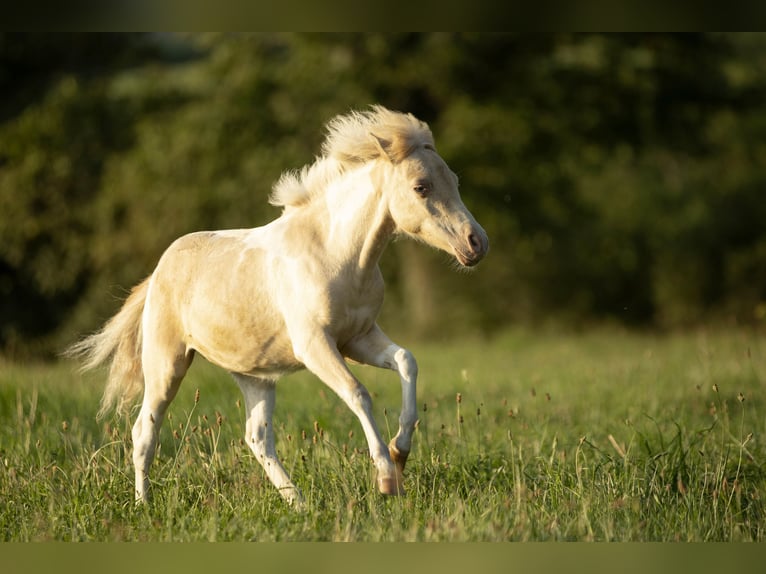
421, 189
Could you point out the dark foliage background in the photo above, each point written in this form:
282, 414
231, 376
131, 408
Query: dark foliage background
621, 178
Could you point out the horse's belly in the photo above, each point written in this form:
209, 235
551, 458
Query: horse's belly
264, 354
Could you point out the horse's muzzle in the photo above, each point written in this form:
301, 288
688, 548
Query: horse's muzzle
474, 246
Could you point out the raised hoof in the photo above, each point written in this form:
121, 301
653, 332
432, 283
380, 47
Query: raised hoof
397, 457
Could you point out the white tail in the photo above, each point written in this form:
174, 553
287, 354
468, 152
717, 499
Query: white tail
119, 344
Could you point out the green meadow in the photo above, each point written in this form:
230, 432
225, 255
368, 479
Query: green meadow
604, 435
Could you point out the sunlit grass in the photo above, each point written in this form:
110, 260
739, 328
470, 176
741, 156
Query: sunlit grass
597, 436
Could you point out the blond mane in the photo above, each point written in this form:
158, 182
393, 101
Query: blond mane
353, 139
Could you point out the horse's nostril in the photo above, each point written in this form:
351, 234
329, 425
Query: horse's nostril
474, 242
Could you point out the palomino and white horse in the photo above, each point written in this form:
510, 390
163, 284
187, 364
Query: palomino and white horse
303, 291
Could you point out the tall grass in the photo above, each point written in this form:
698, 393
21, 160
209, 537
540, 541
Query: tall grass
597, 436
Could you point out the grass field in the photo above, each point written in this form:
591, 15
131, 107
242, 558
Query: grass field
600, 436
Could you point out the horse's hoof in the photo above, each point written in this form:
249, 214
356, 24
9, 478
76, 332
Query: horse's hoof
294, 499
398, 457
392, 485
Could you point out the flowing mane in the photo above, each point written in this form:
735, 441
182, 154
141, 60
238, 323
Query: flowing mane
352, 139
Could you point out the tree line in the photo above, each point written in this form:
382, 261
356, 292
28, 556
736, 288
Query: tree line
620, 177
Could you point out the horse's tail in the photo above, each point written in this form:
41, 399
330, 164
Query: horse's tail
119, 344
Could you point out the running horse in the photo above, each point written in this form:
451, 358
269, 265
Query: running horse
303, 291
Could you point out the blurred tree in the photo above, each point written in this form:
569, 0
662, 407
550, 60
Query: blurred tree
619, 176
52, 154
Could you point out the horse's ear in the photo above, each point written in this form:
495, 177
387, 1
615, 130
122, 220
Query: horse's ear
384, 146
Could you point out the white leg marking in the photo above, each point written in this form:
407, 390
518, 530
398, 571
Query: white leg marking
259, 433
321, 356
378, 350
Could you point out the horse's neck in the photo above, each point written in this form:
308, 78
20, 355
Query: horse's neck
357, 223
380, 229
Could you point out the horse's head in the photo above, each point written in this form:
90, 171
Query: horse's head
420, 191
425, 203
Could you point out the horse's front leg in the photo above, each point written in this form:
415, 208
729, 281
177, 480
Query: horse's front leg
376, 349
319, 353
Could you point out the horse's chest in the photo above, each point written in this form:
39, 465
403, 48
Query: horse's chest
355, 312
357, 318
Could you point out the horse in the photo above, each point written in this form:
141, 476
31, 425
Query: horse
302, 292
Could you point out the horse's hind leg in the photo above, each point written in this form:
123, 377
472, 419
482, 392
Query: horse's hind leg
259, 433
163, 372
